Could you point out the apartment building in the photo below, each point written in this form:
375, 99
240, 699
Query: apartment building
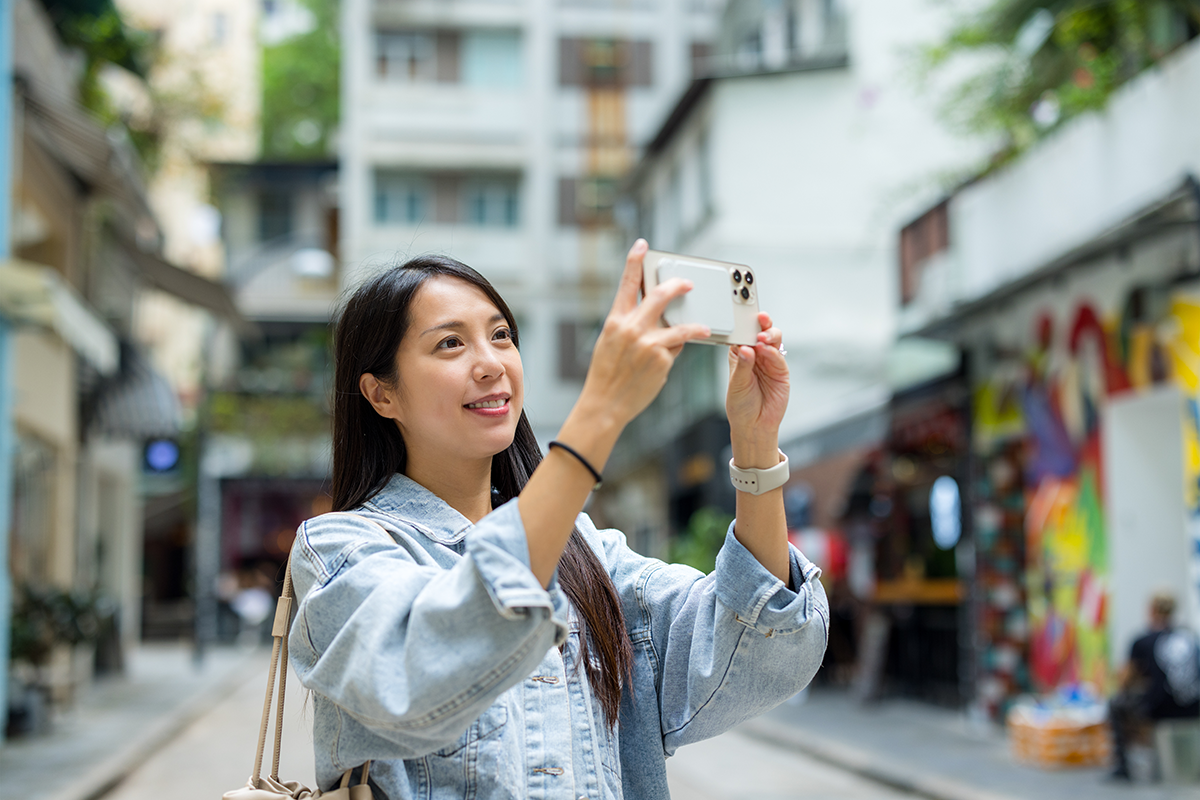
799, 153
498, 131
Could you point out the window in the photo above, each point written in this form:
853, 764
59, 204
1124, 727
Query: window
274, 214
447, 198
220, 29
401, 198
604, 62
417, 56
924, 237
491, 59
491, 201
586, 201
575, 342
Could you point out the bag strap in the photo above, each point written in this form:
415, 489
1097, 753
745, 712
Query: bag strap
279, 663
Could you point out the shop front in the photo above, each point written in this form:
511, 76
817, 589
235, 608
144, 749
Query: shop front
1082, 491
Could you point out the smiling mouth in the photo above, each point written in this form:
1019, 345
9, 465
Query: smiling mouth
489, 404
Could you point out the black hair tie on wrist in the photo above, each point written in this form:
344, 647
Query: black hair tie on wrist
581, 459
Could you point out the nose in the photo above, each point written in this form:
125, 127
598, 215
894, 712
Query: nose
488, 365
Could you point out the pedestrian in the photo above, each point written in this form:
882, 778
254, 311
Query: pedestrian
1160, 681
463, 626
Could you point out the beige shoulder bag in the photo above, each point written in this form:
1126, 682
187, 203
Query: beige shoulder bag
271, 787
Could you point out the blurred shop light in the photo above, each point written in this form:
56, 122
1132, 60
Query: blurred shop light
312, 262
32, 294
913, 361
945, 512
162, 455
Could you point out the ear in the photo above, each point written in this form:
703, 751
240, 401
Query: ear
381, 398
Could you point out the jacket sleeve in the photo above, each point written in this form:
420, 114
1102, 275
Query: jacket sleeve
726, 646
413, 651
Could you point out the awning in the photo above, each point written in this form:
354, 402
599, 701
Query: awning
137, 403
36, 295
187, 286
69, 133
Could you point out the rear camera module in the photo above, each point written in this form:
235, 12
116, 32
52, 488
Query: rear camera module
737, 276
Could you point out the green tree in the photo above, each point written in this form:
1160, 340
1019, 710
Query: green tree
96, 29
1039, 63
697, 546
301, 89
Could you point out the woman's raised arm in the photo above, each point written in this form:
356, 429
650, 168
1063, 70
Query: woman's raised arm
629, 367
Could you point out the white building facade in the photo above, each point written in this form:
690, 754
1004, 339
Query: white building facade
497, 131
801, 155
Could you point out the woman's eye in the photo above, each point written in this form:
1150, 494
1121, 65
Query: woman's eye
450, 342
502, 333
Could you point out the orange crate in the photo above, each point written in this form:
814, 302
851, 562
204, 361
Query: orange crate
1055, 744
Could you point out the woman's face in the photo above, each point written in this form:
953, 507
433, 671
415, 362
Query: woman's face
459, 387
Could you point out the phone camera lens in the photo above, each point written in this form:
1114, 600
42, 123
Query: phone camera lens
737, 276
749, 278
745, 293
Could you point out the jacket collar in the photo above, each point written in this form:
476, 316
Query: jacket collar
408, 501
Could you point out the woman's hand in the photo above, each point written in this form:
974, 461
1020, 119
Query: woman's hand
634, 352
629, 366
757, 397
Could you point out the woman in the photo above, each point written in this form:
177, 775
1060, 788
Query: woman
463, 626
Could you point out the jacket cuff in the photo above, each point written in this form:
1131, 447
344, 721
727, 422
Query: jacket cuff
759, 599
500, 551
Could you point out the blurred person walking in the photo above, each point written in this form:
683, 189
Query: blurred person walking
1160, 681
463, 626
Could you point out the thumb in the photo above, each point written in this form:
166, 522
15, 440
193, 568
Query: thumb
741, 367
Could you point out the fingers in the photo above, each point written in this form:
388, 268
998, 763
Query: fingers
631, 278
771, 337
677, 336
659, 298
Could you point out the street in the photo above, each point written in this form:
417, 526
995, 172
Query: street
216, 753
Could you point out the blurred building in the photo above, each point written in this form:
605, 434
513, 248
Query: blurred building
202, 96
267, 450
1070, 282
85, 249
496, 132
798, 151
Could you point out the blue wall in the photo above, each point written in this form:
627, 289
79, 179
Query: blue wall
6, 365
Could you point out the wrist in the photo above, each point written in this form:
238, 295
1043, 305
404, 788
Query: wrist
592, 431
756, 453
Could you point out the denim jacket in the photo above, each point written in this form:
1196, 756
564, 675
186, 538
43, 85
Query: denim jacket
434, 652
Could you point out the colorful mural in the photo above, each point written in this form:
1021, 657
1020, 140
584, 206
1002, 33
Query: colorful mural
1052, 402
1042, 409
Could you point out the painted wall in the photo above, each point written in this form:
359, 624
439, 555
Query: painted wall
1083, 377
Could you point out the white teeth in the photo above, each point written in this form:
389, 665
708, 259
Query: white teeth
487, 404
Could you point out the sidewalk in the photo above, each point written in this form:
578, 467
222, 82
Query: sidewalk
119, 722
932, 752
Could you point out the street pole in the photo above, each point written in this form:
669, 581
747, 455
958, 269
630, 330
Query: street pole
7, 438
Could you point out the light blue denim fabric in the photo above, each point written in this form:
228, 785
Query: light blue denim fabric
431, 650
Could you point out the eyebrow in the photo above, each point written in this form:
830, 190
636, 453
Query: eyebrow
454, 323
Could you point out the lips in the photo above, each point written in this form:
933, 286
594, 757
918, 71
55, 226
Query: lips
492, 405
491, 401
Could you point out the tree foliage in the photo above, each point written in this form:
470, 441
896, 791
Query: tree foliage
301, 89
1039, 63
699, 543
96, 29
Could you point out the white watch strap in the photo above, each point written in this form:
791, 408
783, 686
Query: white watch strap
760, 481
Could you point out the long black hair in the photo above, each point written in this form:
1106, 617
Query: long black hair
369, 449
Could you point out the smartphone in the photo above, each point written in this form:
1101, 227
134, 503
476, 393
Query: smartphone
724, 296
